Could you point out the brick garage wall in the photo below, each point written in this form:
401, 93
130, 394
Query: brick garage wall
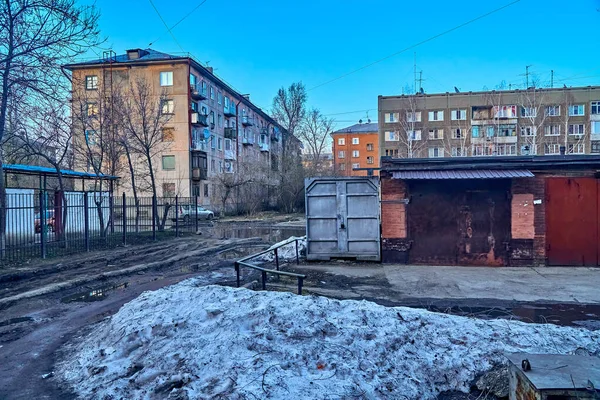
394, 243
528, 244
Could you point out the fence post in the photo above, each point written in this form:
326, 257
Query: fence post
297, 255
124, 219
86, 222
111, 205
154, 214
300, 281
176, 216
237, 272
43, 223
196, 208
276, 260
264, 280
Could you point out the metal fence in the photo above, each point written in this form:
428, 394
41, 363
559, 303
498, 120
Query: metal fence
43, 224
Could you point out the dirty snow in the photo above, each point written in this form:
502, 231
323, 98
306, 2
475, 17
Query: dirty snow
287, 252
204, 342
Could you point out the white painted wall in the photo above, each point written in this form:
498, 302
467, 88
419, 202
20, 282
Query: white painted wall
76, 212
20, 221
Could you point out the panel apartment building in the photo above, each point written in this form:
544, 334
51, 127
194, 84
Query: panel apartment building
213, 129
356, 146
491, 123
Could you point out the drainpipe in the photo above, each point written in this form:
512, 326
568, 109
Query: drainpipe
189, 92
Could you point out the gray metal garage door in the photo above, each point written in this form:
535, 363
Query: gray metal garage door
342, 218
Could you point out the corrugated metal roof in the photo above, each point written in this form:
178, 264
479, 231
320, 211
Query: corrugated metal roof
464, 174
37, 170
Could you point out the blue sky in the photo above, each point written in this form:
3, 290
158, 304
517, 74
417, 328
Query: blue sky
259, 46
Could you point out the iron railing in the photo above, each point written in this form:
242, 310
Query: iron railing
264, 271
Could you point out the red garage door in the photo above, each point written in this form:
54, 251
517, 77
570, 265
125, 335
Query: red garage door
572, 221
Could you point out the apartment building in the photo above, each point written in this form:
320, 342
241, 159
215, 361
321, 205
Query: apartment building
491, 123
354, 147
213, 133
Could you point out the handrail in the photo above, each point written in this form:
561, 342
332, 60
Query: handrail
244, 262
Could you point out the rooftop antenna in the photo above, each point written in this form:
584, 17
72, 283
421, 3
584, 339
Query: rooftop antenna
421, 82
526, 74
551, 78
456, 90
415, 72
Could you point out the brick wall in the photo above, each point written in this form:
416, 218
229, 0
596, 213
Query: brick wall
393, 210
364, 154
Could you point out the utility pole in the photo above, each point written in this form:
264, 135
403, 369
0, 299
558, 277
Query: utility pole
551, 78
415, 73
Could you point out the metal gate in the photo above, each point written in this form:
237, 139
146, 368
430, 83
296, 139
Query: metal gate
342, 218
572, 221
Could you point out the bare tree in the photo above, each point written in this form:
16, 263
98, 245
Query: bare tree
229, 182
408, 129
315, 131
576, 129
289, 106
145, 115
532, 108
36, 37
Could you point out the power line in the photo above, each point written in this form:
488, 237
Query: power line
178, 22
165, 24
416, 45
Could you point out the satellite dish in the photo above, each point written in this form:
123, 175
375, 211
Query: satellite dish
360, 121
206, 133
369, 121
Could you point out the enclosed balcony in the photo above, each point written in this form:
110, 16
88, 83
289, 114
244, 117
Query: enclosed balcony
230, 154
199, 174
230, 133
197, 92
199, 119
248, 140
229, 111
247, 121
264, 147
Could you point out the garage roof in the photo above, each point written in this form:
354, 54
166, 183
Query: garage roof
464, 174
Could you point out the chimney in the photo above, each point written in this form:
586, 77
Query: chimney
210, 69
134, 54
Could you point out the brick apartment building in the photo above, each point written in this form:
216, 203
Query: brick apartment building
356, 146
213, 129
491, 123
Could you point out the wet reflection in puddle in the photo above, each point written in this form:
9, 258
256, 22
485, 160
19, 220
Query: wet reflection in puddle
93, 294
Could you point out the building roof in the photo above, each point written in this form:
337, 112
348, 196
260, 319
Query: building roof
491, 163
465, 174
359, 128
482, 92
146, 56
36, 170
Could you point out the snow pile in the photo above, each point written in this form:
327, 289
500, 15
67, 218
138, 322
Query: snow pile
206, 342
287, 252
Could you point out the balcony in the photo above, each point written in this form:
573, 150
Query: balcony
197, 92
230, 133
199, 174
229, 111
248, 140
247, 121
264, 147
274, 137
230, 154
505, 139
199, 119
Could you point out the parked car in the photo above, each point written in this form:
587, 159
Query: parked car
49, 221
187, 213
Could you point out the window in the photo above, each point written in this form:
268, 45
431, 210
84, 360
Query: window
528, 130
90, 137
168, 189
355, 140
91, 82
552, 149
168, 134
457, 133
489, 131
219, 98
342, 167
436, 134
413, 116
211, 118
206, 189
168, 107
91, 109
220, 120
212, 93
507, 130
166, 78
414, 135
193, 80
553, 111
341, 141
475, 131
196, 191
213, 167
528, 112
391, 152
435, 152
595, 127
505, 111
458, 115
226, 103
213, 143
391, 136
220, 166
391, 117
203, 110
595, 107
576, 129
220, 144
459, 152
370, 160
341, 154
528, 150
595, 146
168, 163
506, 150
576, 148
370, 147
552, 130
204, 87
436, 115
577, 110
355, 165
355, 154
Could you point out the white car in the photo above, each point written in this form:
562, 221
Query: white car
187, 213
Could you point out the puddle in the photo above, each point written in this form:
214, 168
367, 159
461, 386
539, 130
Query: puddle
268, 234
13, 321
584, 316
93, 294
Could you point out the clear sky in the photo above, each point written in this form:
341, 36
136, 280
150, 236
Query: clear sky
258, 46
